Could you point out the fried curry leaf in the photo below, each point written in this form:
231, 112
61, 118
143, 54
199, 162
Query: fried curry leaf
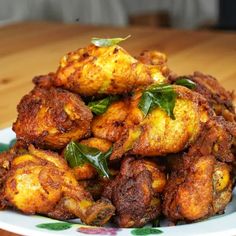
73, 155
146, 102
107, 42
77, 154
186, 82
100, 106
162, 96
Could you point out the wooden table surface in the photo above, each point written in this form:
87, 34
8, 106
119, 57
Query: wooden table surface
30, 49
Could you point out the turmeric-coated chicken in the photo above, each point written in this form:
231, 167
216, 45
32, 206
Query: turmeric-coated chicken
157, 134
104, 70
51, 118
110, 125
202, 187
216, 138
41, 182
154, 57
135, 192
44, 81
217, 96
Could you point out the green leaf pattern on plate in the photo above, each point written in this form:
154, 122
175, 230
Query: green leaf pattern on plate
145, 231
55, 226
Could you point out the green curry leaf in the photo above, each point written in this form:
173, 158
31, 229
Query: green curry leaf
107, 42
73, 155
186, 82
77, 154
162, 96
100, 106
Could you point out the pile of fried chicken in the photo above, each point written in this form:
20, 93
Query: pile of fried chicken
181, 168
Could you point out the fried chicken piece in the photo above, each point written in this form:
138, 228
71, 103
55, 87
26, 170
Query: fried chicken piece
5, 162
217, 138
110, 125
198, 190
135, 192
104, 70
44, 81
95, 186
157, 134
218, 97
51, 118
43, 179
153, 57
87, 171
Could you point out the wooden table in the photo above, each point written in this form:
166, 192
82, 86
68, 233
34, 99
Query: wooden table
30, 49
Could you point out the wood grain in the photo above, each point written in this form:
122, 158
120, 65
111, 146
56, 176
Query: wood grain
30, 49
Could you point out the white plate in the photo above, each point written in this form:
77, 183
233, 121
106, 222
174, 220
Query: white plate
27, 225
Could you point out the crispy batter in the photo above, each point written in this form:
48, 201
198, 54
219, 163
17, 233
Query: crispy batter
5, 163
218, 97
199, 189
44, 81
52, 118
110, 125
43, 179
95, 186
135, 192
153, 57
104, 70
215, 140
222, 185
157, 134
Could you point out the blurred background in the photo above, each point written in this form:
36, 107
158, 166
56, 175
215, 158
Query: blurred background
186, 14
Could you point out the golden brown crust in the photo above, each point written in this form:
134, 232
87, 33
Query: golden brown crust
43, 179
44, 81
222, 185
103, 70
5, 164
135, 192
200, 189
110, 125
217, 96
52, 118
157, 134
153, 57
215, 140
